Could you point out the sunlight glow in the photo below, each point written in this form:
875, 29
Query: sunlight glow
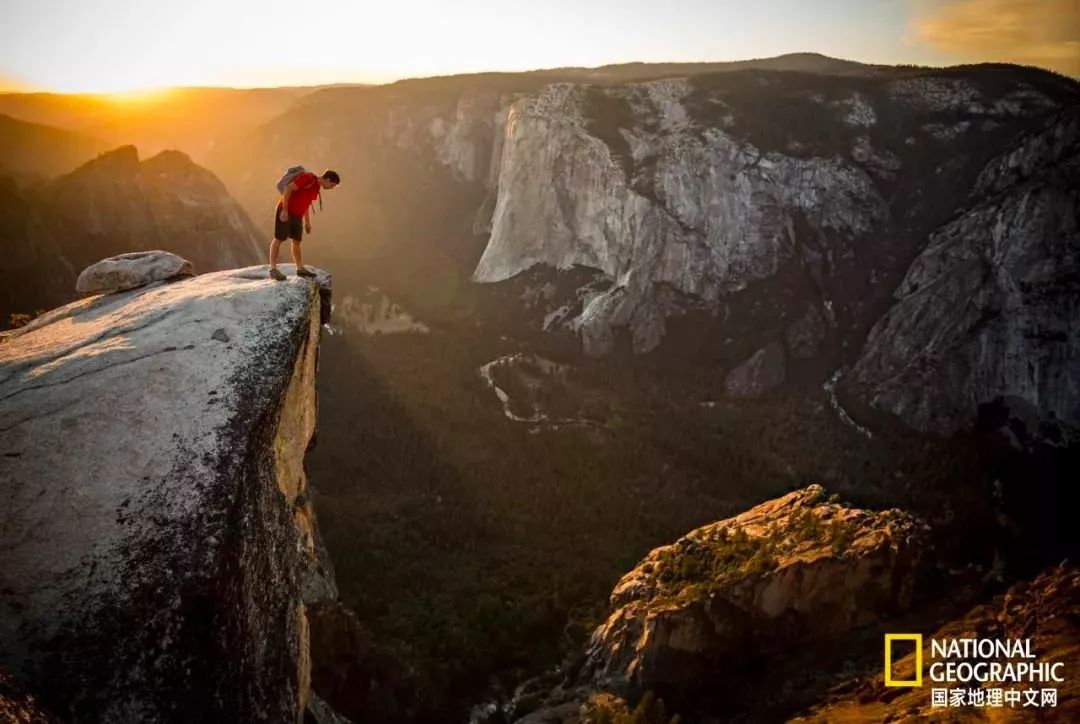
133, 97
123, 46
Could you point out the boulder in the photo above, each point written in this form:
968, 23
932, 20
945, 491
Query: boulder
761, 583
130, 271
157, 536
763, 371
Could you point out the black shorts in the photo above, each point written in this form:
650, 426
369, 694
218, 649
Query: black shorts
291, 229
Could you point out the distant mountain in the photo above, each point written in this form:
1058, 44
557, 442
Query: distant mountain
188, 119
794, 62
41, 150
111, 205
382, 138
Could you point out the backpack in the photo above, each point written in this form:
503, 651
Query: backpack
287, 178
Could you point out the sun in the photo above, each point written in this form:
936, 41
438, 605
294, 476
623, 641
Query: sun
140, 96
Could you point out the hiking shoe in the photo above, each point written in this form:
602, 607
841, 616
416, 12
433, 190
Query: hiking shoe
276, 275
305, 272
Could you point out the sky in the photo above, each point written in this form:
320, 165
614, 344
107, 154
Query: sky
130, 45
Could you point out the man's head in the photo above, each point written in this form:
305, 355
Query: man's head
329, 179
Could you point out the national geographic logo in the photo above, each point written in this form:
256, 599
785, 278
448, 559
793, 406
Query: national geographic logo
889, 639
974, 672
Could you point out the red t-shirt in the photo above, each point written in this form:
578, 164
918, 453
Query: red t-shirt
307, 190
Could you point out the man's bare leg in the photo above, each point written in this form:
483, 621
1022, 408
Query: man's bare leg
297, 254
275, 246
298, 257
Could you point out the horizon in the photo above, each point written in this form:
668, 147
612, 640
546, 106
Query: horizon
422, 39
140, 95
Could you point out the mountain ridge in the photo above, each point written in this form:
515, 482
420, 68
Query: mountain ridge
41, 151
117, 203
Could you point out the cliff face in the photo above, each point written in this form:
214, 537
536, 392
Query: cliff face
116, 204
988, 309
685, 191
658, 201
787, 207
157, 537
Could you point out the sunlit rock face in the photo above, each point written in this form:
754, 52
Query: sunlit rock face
988, 310
157, 536
662, 202
462, 140
791, 568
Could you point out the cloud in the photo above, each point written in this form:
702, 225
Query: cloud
1032, 32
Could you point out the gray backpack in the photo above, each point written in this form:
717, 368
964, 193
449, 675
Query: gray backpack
287, 178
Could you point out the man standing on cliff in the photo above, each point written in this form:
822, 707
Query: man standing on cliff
294, 205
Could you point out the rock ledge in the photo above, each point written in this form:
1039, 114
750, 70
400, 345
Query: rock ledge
157, 536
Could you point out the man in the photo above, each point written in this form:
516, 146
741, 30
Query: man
294, 205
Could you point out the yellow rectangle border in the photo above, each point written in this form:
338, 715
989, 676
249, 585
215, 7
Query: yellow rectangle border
917, 638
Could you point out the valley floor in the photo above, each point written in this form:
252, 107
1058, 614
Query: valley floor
480, 549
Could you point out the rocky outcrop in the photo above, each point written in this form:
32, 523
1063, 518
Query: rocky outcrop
705, 621
987, 311
762, 372
791, 570
113, 205
130, 271
157, 534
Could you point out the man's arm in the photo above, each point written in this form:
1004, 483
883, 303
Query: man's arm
285, 200
307, 220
